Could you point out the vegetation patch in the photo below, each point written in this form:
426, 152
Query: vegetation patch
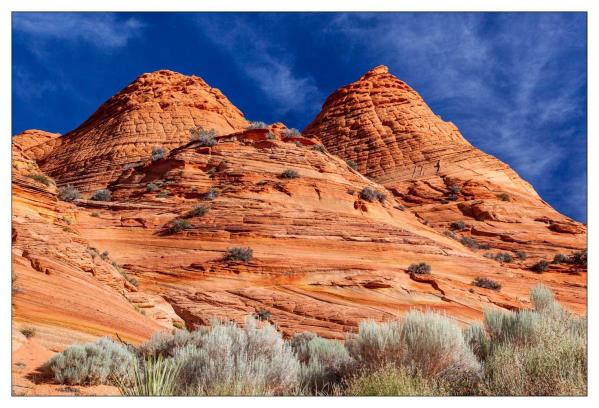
101, 195
68, 193
504, 197
178, 225
289, 174
370, 194
486, 283
157, 153
41, 179
540, 266
205, 138
257, 125
239, 254
421, 268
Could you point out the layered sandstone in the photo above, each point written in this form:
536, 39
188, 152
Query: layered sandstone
157, 109
324, 257
385, 127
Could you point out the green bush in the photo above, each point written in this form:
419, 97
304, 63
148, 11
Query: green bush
101, 195
198, 211
238, 254
540, 266
45, 180
178, 225
91, 364
578, 258
68, 193
391, 381
421, 268
352, 164
289, 174
370, 194
326, 364
157, 153
150, 377
486, 283
458, 225
205, 138
503, 257
257, 125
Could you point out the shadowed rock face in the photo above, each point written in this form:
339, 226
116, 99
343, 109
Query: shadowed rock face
325, 258
157, 109
386, 128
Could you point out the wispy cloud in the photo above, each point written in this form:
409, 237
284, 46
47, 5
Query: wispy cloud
265, 62
504, 78
102, 30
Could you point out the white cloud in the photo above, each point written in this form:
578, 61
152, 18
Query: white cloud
269, 66
102, 30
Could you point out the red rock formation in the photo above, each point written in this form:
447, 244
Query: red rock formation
157, 109
385, 127
324, 257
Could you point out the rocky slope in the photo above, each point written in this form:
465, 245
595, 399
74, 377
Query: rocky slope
324, 257
385, 127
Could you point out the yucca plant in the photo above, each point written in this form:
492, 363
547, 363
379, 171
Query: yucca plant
156, 377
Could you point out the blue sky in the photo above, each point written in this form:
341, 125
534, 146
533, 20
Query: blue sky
514, 83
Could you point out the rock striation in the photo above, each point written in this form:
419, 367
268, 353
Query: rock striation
331, 245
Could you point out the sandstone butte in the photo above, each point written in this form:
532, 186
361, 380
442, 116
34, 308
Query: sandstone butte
324, 258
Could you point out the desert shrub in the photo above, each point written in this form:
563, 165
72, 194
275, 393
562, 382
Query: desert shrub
101, 195
157, 153
476, 338
152, 187
352, 164
289, 174
536, 352
503, 257
40, 178
205, 138
428, 343
318, 148
270, 136
91, 364
257, 125
450, 234
263, 314
503, 197
178, 225
482, 245
540, 266
521, 255
370, 194
469, 242
105, 256
421, 268
150, 377
28, 332
391, 381
454, 189
163, 194
326, 365
289, 133
198, 211
229, 360
452, 197
68, 193
578, 258
132, 165
486, 283
458, 225
238, 254
560, 258
211, 194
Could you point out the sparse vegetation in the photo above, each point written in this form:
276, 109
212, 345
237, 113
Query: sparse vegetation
503, 257
452, 197
41, 179
578, 258
503, 197
198, 211
205, 138
105, 256
370, 194
458, 225
152, 187
157, 153
486, 283
539, 351
263, 314
469, 242
28, 332
211, 194
352, 164
318, 148
540, 266
270, 136
178, 225
560, 258
290, 133
68, 193
521, 255
421, 268
101, 195
289, 174
454, 189
238, 254
257, 125
132, 165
